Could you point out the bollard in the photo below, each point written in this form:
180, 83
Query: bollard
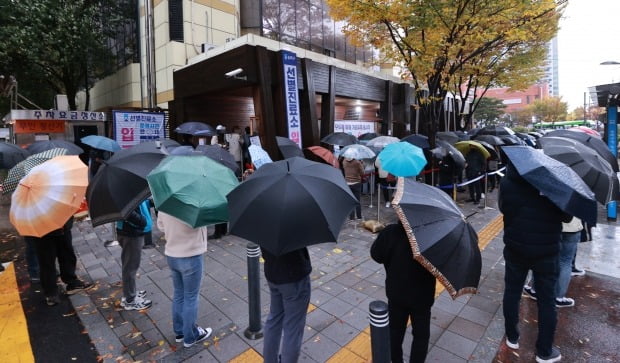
379, 331
255, 330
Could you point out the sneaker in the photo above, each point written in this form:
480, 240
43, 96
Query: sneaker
511, 344
138, 303
555, 356
110, 243
577, 272
141, 294
529, 292
202, 335
52, 300
77, 286
178, 338
564, 302
387, 205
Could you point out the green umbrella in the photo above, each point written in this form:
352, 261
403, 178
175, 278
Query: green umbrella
192, 188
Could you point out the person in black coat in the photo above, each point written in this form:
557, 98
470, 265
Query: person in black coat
474, 168
532, 232
410, 290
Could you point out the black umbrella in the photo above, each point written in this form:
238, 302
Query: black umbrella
528, 139
43, 145
195, 128
490, 149
288, 147
418, 140
368, 136
495, 130
587, 163
155, 146
491, 139
463, 136
120, 185
591, 141
290, 204
11, 154
555, 180
448, 150
339, 138
219, 154
441, 240
448, 136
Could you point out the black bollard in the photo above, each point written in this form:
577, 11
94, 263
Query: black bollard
379, 331
255, 330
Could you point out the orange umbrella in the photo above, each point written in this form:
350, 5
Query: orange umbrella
48, 196
321, 154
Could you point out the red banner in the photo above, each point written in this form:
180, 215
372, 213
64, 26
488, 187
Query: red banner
39, 126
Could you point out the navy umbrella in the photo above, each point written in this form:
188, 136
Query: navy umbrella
290, 204
44, 145
418, 140
555, 180
441, 240
590, 141
288, 147
11, 154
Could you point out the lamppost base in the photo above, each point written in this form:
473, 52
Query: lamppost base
253, 335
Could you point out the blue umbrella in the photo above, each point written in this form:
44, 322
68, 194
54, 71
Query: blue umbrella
101, 143
402, 159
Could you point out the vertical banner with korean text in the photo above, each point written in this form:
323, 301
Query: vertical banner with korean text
132, 128
612, 144
289, 59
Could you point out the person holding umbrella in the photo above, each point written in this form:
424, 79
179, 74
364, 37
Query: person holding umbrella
474, 168
353, 174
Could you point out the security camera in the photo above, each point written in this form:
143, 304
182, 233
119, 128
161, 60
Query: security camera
234, 73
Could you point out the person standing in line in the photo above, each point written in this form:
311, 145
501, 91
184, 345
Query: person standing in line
288, 277
386, 180
130, 234
234, 144
184, 250
474, 168
57, 245
410, 290
148, 232
532, 232
353, 175
220, 229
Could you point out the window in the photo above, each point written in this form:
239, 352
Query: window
175, 20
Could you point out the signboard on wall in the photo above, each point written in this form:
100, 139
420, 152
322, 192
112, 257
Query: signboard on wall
57, 115
39, 126
132, 128
355, 128
289, 60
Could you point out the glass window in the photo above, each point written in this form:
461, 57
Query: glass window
303, 21
271, 19
316, 26
287, 18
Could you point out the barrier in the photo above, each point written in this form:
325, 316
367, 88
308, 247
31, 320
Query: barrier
379, 331
255, 330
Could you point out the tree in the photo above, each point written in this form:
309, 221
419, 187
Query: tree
550, 109
64, 44
458, 46
489, 110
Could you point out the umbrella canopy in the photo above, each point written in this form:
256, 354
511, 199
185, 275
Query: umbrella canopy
490, 149
462, 135
590, 166
290, 204
48, 196
21, 169
11, 154
193, 189
321, 155
363, 138
195, 128
288, 147
491, 139
441, 240
120, 185
155, 146
259, 156
528, 139
184, 150
495, 130
418, 140
358, 152
555, 180
449, 150
381, 141
402, 159
101, 143
448, 136
44, 145
586, 130
220, 155
511, 140
339, 138
465, 146
590, 141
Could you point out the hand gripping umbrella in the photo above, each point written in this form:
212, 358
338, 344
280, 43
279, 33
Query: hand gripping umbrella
290, 204
555, 180
21, 169
441, 240
44, 145
48, 196
11, 154
288, 147
402, 159
193, 189
101, 143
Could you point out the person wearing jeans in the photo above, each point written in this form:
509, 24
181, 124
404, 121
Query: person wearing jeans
184, 250
288, 277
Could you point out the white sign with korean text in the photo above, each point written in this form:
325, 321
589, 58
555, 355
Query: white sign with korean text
355, 128
132, 128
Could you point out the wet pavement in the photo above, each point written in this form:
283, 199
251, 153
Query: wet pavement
344, 281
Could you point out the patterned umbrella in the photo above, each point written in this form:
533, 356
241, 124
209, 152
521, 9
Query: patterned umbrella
22, 168
48, 196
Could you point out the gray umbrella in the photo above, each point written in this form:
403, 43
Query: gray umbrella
590, 141
11, 154
339, 138
288, 147
491, 139
40, 146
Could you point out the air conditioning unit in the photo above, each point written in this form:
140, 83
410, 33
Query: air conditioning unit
230, 39
206, 46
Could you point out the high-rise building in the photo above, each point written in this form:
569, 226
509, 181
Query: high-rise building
552, 68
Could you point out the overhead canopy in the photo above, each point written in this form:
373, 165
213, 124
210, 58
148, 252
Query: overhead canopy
602, 93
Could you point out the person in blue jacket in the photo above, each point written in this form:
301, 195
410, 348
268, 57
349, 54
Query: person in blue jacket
130, 234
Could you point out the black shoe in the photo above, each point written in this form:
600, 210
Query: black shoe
555, 356
577, 272
214, 236
148, 247
77, 286
529, 292
203, 333
52, 300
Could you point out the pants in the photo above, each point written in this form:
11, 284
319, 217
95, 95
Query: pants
545, 272
384, 188
568, 248
48, 249
148, 238
356, 189
475, 189
31, 258
186, 273
130, 259
420, 329
286, 321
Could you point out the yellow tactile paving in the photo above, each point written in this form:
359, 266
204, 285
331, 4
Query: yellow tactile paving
249, 356
14, 339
